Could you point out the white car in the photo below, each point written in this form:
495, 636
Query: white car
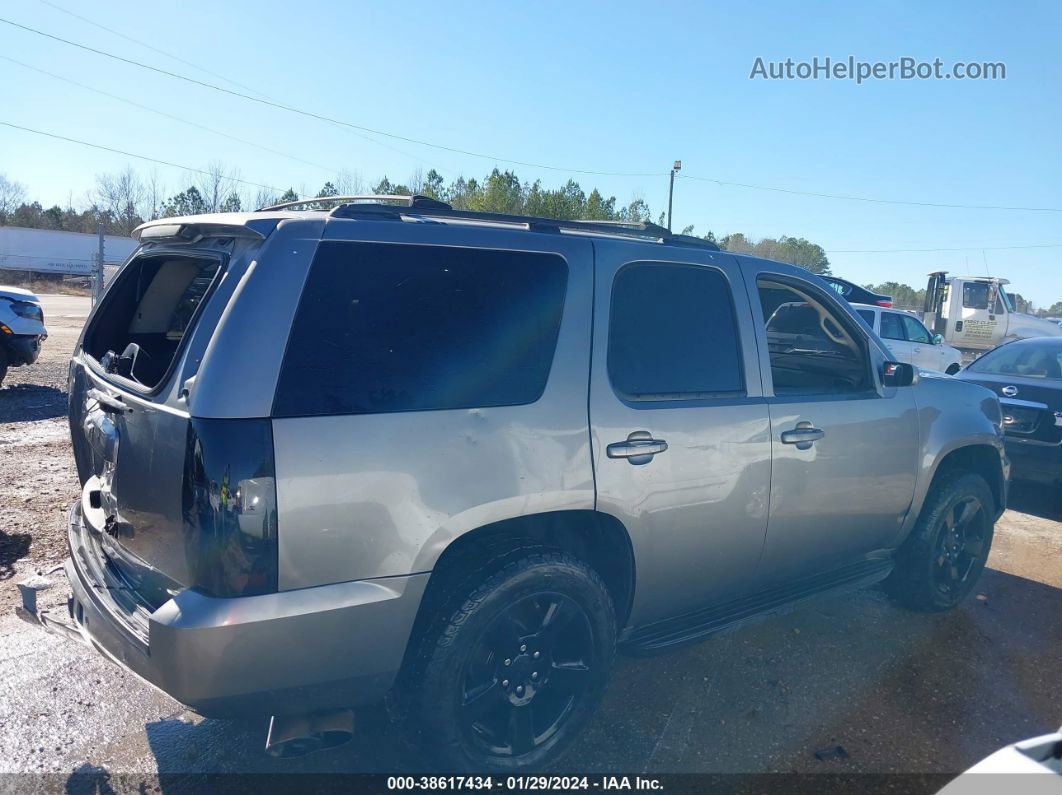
909, 340
21, 328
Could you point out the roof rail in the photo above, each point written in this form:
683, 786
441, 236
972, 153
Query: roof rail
432, 208
416, 201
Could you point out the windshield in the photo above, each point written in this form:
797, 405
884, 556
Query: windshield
1028, 360
1006, 300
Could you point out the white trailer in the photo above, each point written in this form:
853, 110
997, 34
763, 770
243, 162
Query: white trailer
52, 251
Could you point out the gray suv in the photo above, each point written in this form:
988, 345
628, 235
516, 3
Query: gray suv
461, 458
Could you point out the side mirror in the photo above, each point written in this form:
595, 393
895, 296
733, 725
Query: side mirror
938, 339
897, 374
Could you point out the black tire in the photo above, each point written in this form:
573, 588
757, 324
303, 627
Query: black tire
476, 705
941, 561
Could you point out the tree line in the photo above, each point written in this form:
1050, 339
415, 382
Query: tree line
124, 200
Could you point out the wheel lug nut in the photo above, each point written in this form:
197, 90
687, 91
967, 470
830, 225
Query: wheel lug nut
536, 655
534, 674
520, 690
523, 648
508, 661
505, 682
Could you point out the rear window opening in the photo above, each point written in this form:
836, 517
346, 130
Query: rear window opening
147, 313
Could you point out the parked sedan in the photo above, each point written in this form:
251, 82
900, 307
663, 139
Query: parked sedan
1027, 376
854, 294
909, 340
21, 328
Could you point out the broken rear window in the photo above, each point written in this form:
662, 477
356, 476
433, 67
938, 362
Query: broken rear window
147, 313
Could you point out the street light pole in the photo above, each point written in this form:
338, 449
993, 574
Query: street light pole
671, 191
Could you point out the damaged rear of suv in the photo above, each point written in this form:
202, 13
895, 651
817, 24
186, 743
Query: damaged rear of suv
174, 542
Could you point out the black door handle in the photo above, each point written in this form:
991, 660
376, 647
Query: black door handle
803, 436
639, 448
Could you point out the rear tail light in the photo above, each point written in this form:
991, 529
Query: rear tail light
229, 507
886, 304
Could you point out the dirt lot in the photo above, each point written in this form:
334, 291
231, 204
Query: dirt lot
899, 692
37, 478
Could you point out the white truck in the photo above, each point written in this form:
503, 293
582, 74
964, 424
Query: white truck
975, 314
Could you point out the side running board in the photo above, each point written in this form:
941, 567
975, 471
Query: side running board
698, 624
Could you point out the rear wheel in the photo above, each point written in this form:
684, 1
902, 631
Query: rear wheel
508, 674
941, 561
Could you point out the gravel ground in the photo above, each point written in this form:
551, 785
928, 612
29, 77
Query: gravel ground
900, 692
37, 477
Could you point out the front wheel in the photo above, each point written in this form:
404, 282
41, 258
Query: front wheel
512, 670
944, 556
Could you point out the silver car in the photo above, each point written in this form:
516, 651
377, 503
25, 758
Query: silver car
461, 458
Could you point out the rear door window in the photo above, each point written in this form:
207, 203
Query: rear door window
892, 326
867, 315
672, 333
386, 328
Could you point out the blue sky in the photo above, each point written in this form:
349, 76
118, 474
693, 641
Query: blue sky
622, 87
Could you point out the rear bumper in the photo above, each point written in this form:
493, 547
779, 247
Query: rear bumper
1039, 462
284, 653
21, 348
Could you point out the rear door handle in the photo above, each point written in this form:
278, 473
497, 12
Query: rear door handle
803, 436
108, 402
639, 448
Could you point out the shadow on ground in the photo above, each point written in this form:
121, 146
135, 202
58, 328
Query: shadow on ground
30, 402
1035, 499
12, 548
900, 692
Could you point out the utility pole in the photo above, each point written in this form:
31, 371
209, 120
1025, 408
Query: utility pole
97, 280
671, 191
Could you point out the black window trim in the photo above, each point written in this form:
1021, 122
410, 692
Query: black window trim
872, 390
677, 399
407, 244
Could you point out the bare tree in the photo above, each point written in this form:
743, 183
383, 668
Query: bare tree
217, 184
120, 196
349, 183
265, 197
416, 182
154, 196
12, 194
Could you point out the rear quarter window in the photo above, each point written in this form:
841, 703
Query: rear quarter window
386, 328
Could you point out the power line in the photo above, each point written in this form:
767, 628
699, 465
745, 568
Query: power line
204, 70
171, 116
274, 188
148, 46
322, 117
133, 154
919, 250
869, 199
469, 153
